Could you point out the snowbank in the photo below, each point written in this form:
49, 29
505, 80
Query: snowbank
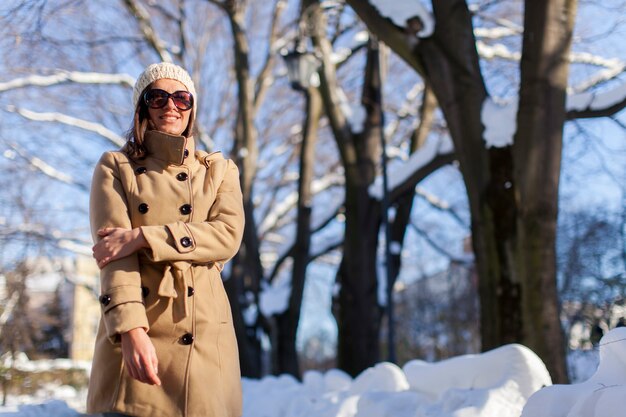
493, 384
602, 395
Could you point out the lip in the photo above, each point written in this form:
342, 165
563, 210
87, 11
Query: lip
169, 116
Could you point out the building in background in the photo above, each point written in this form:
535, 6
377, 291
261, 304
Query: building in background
57, 310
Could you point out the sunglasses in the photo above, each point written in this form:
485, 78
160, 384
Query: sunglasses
157, 99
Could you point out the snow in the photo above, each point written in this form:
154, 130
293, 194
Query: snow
500, 121
453, 388
418, 159
54, 408
602, 395
596, 101
274, 298
493, 384
401, 11
354, 113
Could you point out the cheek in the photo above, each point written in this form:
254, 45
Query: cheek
151, 115
186, 117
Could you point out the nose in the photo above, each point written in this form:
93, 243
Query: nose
170, 104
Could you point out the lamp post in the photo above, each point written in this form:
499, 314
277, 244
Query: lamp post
302, 66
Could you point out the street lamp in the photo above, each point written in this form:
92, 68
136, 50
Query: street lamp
302, 67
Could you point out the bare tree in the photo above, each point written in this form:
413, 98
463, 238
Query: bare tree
512, 190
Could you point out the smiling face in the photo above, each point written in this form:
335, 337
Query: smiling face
169, 119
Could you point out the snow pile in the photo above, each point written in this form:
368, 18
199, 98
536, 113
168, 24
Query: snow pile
500, 121
492, 384
602, 395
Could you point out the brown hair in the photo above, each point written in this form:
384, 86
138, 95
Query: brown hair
134, 146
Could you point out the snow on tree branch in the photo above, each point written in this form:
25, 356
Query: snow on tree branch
111, 136
355, 114
67, 77
418, 159
408, 14
613, 68
497, 32
44, 167
289, 202
497, 50
500, 121
596, 104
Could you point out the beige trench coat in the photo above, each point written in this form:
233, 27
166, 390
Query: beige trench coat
189, 206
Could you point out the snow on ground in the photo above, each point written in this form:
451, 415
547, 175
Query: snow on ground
602, 395
493, 384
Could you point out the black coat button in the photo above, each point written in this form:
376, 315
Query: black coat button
185, 209
185, 241
190, 291
187, 339
143, 208
182, 176
105, 299
141, 170
186, 153
145, 291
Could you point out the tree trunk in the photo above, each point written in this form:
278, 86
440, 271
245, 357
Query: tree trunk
287, 322
513, 215
247, 268
357, 311
355, 307
548, 30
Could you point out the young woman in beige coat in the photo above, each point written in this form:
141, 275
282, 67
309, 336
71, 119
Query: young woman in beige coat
165, 217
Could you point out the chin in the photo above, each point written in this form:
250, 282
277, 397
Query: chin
171, 131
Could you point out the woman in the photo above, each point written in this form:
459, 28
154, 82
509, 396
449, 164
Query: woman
165, 217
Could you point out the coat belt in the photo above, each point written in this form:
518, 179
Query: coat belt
177, 277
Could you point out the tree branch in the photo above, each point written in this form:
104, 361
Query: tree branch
263, 80
63, 77
590, 105
438, 247
38, 231
440, 205
145, 24
101, 130
290, 201
315, 228
47, 169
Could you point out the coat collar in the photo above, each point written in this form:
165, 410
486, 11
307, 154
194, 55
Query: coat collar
170, 148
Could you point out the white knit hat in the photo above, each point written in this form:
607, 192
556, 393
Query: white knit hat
163, 70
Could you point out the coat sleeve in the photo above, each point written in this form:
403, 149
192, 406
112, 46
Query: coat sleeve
120, 281
215, 240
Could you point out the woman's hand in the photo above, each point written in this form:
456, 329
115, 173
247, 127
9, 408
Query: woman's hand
117, 243
140, 357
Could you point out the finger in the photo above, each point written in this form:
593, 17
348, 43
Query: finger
151, 372
104, 231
